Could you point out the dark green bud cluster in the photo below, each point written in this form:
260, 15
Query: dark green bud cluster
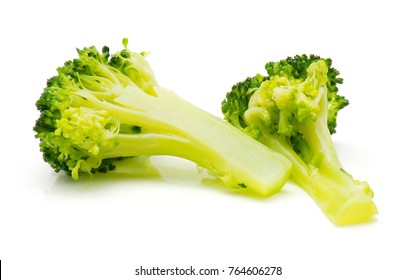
236, 102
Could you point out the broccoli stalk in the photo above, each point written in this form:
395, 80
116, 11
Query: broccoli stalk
293, 111
101, 108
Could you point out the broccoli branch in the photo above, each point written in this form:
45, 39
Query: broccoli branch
100, 108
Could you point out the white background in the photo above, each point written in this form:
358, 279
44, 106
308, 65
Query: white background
54, 228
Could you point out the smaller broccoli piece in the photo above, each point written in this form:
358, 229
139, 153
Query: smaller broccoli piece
102, 107
293, 111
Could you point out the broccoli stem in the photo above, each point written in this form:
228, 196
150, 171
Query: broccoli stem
191, 133
152, 144
341, 198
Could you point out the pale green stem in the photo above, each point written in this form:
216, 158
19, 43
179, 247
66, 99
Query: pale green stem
342, 199
194, 134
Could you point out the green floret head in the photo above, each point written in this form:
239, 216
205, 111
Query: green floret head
74, 132
72, 136
294, 105
296, 67
283, 102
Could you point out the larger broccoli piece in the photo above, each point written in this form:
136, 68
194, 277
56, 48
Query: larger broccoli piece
293, 111
103, 107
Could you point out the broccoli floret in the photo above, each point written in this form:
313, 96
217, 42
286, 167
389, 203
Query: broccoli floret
293, 111
104, 107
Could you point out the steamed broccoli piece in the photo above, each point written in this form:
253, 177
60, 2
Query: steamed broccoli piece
101, 108
293, 111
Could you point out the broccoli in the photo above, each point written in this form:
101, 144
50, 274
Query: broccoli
104, 107
293, 111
